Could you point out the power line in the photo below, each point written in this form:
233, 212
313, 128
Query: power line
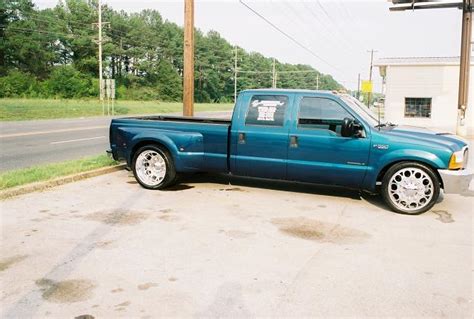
288, 36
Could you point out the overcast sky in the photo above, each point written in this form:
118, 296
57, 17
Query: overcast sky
338, 31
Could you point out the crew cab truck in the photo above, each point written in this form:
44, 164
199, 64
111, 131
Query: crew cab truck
298, 135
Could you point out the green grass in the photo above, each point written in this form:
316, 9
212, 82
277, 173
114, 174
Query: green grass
50, 171
32, 109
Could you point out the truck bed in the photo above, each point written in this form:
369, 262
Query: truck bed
196, 144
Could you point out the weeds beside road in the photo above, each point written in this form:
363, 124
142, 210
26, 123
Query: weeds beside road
34, 109
47, 172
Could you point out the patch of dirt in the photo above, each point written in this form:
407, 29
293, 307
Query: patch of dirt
119, 217
85, 317
311, 229
116, 290
8, 262
147, 286
166, 210
44, 211
232, 189
169, 218
123, 304
105, 244
66, 291
172, 279
322, 206
444, 216
132, 182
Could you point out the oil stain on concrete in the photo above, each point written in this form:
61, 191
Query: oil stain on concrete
10, 261
118, 217
311, 229
147, 285
444, 216
67, 291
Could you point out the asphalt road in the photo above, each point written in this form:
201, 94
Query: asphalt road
27, 143
219, 247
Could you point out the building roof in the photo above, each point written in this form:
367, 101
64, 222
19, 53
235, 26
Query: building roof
450, 60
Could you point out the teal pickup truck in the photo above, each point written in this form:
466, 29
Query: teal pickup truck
298, 135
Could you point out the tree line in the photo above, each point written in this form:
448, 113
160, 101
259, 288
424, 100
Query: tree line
53, 53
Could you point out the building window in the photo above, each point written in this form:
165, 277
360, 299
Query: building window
418, 107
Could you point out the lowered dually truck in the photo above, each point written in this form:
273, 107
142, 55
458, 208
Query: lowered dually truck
298, 135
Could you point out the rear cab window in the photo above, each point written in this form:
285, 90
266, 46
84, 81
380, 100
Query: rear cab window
267, 110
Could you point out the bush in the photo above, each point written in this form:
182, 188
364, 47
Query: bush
18, 84
67, 82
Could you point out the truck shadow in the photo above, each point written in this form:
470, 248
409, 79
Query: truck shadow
296, 187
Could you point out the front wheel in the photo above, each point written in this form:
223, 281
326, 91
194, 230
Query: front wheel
410, 188
153, 167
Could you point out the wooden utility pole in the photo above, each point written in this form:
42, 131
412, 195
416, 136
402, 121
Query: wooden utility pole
101, 80
188, 81
465, 63
369, 95
235, 75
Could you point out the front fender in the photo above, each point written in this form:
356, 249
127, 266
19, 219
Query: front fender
379, 162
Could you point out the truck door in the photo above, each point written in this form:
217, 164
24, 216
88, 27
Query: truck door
318, 153
259, 136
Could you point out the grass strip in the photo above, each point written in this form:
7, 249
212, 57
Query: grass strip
47, 172
17, 109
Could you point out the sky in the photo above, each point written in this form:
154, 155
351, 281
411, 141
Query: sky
338, 33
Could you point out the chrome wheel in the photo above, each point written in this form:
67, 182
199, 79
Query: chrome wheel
150, 167
410, 189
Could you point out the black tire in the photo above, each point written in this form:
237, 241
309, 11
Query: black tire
170, 174
398, 168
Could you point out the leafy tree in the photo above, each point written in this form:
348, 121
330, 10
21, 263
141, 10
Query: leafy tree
57, 48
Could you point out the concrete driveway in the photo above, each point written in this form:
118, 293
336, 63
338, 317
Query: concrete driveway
105, 247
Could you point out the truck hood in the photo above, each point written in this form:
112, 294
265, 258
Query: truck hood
427, 137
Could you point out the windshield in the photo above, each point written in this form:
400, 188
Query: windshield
361, 109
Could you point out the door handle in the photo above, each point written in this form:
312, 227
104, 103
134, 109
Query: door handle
241, 138
293, 141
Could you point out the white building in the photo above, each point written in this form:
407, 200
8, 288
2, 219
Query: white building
424, 92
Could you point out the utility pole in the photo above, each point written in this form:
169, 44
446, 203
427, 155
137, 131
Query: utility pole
317, 81
273, 74
235, 75
465, 64
101, 81
369, 95
188, 81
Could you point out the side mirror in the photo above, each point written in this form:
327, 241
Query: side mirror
351, 128
347, 129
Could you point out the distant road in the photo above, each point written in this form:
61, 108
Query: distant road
27, 143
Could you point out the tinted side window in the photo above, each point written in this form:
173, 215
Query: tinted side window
268, 110
321, 113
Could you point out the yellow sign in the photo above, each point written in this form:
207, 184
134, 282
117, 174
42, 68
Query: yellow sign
366, 86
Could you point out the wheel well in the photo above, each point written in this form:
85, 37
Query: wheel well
387, 167
144, 143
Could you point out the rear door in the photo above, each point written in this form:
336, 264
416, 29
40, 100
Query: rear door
260, 135
318, 153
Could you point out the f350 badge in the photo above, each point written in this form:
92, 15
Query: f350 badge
381, 146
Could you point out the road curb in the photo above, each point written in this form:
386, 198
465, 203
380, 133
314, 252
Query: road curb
41, 186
